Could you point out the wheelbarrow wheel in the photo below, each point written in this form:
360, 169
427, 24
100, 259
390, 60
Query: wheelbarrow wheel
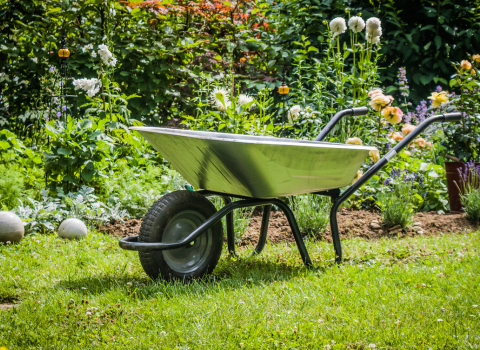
172, 218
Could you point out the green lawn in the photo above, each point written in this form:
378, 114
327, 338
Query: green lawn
418, 293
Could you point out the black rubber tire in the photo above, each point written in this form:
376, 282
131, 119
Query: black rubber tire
157, 219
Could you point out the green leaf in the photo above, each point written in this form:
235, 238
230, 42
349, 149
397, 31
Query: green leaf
64, 151
438, 41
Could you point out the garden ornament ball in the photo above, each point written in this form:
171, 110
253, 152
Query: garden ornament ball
72, 229
11, 227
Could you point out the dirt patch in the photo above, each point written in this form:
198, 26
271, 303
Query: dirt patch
130, 227
6, 307
351, 223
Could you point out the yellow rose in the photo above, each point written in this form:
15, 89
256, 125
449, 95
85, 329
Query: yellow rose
396, 136
465, 65
379, 101
374, 155
359, 175
393, 115
408, 128
438, 98
476, 58
354, 141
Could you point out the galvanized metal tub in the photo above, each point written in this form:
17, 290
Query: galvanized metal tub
256, 166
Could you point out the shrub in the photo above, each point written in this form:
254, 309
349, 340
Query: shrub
11, 186
398, 204
470, 190
311, 212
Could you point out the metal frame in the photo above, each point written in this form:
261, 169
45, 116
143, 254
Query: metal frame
337, 197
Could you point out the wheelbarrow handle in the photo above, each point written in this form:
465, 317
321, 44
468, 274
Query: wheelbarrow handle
443, 118
336, 118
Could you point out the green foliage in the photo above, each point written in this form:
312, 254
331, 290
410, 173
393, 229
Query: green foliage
312, 213
399, 202
77, 153
471, 204
136, 190
469, 188
12, 186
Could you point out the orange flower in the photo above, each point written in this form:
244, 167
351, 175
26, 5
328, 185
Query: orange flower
429, 145
375, 92
408, 128
242, 60
390, 97
396, 136
421, 143
465, 65
393, 115
472, 72
476, 58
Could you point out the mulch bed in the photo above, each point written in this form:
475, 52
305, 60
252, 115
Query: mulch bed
351, 223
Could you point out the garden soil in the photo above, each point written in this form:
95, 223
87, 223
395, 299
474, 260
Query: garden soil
352, 223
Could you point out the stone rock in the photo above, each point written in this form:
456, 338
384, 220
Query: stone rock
392, 232
417, 223
72, 229
417, 228
375, 225
394, 228
420, 232
11, 227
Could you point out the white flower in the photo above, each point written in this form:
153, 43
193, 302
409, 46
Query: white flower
375, 32
356, 24
106, 55
372, 346
34, 59
338, 26
87, 47
373, 39
294, 112
91, 86
244, 100
104, 38
112, 12
373, 24
15, 79
218, 95
94, 54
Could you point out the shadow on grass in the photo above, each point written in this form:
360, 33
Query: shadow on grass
229, 274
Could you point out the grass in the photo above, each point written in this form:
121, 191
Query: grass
415, 293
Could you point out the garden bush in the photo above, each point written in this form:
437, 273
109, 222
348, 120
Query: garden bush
12, 187
312, 213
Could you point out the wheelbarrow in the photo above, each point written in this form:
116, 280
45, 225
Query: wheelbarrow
181, 236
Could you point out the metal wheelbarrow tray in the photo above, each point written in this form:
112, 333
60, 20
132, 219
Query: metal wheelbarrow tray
182, 235
253, 166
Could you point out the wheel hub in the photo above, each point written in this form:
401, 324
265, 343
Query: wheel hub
194, 254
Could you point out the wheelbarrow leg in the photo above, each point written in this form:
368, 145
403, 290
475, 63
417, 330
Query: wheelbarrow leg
296, 232
335, 234
230, 228
262, 239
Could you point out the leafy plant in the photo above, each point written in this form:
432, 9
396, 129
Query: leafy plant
399, 203
469, 188
312, 213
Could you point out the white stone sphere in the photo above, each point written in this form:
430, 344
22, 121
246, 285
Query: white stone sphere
72, 229
11, 227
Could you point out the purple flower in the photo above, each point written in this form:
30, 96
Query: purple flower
59, 114
34, 147
439, 88
64, 108
55, 100
388, 145
52, 69
47, 118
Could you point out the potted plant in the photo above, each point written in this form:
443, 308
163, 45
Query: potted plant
462, 140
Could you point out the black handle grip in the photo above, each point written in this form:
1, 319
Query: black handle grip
359, 111
453, 117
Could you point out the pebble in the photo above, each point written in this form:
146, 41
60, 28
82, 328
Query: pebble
394, 228
375, 225
420, 232
417, 223
392, 232
417, 228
